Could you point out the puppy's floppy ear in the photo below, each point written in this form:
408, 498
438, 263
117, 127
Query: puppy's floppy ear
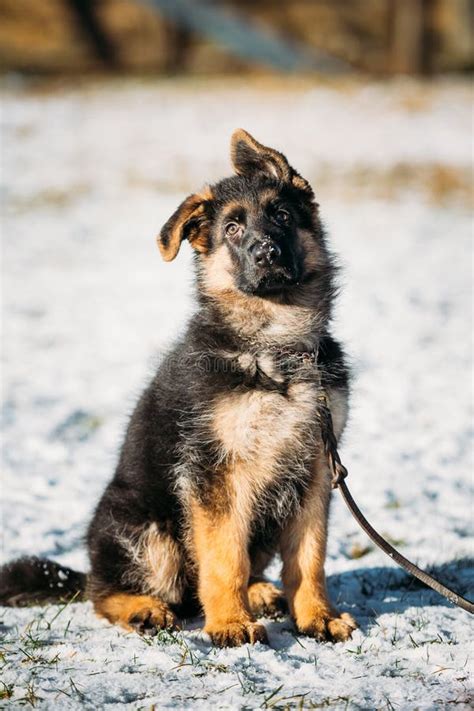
249, 157
190, 221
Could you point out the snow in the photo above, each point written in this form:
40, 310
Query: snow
89, 174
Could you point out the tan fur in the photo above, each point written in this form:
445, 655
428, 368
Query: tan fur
288, 323
129, 610
253, 428
303, 550
220, 545
265, 599
206, 193
266, 364
268, 321
218, 272
301, 183
193, 207
233, 209
158, 561
163, 560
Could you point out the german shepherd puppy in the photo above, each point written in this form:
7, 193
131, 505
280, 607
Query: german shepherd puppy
222, 464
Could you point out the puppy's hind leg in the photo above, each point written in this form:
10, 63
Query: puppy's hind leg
139, 587
140, 613
265, 599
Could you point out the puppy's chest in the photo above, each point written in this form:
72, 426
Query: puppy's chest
269, 417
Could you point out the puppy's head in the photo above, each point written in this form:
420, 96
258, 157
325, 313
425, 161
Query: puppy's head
257, 232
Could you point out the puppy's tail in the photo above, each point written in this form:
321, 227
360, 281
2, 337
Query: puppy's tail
38, 581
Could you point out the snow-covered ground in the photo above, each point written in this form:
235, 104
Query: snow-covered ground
88, 177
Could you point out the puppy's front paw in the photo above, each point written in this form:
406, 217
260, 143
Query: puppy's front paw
266, 600
234, 634
329, 627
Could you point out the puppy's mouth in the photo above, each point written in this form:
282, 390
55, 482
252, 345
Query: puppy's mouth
278, 280
271, 281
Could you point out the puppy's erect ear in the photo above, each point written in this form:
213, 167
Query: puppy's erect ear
249, 157
191, 221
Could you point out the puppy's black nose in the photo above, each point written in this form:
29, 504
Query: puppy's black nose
265, 253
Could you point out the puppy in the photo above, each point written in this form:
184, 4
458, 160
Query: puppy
222, 465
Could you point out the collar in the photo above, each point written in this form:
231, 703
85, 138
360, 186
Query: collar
300, 357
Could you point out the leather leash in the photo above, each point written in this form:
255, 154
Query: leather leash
339, 473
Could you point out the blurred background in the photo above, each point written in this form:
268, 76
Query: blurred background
113, 110
383, 37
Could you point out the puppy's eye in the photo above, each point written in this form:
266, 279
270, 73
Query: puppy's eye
282, 216
232, 228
